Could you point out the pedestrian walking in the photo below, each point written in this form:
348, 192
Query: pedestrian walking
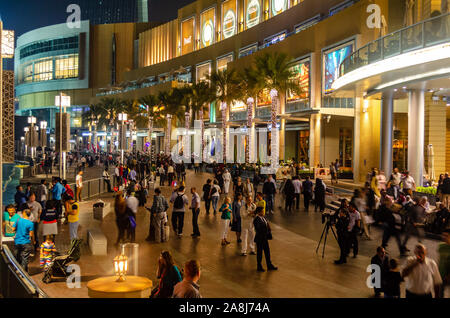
226, 210
215, 195
262, 236
195, 207
307, 190
158, 218
248, 229
180, 202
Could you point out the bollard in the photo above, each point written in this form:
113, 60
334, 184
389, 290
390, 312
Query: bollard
131, 250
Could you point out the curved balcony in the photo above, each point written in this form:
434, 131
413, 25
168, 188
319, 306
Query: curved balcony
418, 52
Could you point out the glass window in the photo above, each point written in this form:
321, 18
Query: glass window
248, 50
43, 70
223, 61
49, 45
66, 66
203, 71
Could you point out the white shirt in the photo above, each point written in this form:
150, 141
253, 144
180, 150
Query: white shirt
79, 181
408, 183
217, 194
354, 216
132, 203
423, 277
396, 178
297, 185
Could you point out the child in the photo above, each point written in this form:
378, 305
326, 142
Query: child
9, 218
393, 280
225, 219
48, 250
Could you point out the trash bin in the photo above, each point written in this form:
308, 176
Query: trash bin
131, 250
101, 209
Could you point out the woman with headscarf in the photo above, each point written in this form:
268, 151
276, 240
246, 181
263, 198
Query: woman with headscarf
289, 192
319, 195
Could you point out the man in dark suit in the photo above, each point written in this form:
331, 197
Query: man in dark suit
262, 236
307, 189
382, 260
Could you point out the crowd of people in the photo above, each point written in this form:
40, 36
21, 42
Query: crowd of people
243, 204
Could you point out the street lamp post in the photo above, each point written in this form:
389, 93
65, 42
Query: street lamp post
62, 101
43, 139
32, 144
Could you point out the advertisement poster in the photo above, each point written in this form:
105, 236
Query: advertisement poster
252, 13
229, 18
187, 36
301, 71
331, 61
208, 27
279, 6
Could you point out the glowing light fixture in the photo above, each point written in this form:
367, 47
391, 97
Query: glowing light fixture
121, 267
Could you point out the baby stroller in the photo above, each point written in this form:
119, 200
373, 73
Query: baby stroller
59, 264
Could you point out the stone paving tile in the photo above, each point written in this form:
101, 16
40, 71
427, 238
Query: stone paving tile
226, 274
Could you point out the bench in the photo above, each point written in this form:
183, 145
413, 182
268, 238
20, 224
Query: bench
97, 241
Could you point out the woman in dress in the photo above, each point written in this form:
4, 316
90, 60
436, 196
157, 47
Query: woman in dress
49, 218
289, 192
236, 224
226, 181
319, 195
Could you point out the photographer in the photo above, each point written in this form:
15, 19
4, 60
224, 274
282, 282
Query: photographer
342, 224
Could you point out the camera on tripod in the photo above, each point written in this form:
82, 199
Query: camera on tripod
329, 217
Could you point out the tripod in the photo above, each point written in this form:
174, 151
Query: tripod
325, 231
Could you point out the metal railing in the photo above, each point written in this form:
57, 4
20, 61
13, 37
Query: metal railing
92, 188
417, 36
14, 280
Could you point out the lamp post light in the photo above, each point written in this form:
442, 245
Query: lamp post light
121, 267
27, 139
43, 137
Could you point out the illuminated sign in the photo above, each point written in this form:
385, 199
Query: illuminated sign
229, 24
207, 33
253, 13
207, 19
264, 98
238, 106
187, 35
279, 6
7, 44
331, 61
301, 78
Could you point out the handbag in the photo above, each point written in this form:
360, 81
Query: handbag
132, 222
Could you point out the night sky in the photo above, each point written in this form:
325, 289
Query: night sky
26, 15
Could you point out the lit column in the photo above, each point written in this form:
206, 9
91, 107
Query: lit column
43, 142
32, 132
387, 114
249, 155
150, 132
416, 131
122, 135
168, 132
223, 108
274, 150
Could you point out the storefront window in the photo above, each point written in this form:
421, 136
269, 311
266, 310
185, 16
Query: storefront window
66, 66
43, 70
303, 146
203, 71
223, 62
345, 147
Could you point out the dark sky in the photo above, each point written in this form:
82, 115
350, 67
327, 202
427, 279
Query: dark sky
25, 15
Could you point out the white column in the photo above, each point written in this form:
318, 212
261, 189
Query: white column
416, 132
387, 120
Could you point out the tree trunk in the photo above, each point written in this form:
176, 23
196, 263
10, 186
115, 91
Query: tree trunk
274, 134
168, 133
249, 131
224, 131
202, 130
150, 132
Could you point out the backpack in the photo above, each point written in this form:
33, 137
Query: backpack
213, 190
179, 202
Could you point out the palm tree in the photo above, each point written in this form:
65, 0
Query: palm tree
226, 86
274, 71
250, 86
92, 117
170, 106
154, 113
200, 96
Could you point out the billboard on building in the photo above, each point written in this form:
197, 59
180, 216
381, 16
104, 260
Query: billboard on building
253, 9
301, 77
229, 18
278, 6
187, 35
208, 27
332, 59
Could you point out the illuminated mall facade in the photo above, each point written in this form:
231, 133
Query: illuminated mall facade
361, 120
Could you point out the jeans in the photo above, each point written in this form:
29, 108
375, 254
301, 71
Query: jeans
269, 202
73, 230
215, 200
23, 254
297, 201
178, 222
195, 229
306, 200
207, 205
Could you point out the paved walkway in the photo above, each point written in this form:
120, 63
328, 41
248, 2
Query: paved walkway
226, 274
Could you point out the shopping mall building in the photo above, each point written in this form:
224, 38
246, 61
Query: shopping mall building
367, 101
